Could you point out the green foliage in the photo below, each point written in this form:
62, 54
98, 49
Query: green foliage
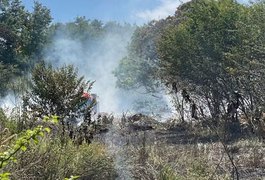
168, 173
72, 178
140, 67
217, 49
85, 162
94, 163
29, 28
21, 144
25, 156
3, 118
56, 91
129, 73
209, 49
83, 29
7, 123
38, 25
22, 37
8, 63
88, 31
5, 176
195, 49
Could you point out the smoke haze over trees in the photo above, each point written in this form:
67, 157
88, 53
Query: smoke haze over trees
207, 49
206, 61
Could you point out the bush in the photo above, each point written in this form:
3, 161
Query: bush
51, 160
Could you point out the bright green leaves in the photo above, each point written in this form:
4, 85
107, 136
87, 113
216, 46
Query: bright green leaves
51, 119
72, 178
5, 176
48, 130
25, 139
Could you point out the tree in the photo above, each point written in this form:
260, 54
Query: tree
8, 60
195, 50
57, 92
22, 37
140, 67
37, 31
248, 70
217, 52
83, 29
209, 53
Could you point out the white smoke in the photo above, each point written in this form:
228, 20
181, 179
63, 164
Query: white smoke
11, 104
8, 103
95, 61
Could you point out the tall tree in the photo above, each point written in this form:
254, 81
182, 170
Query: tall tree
37, 31
22, 37
195, 50
140, 67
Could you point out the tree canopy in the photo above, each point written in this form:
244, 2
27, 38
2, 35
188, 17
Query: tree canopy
22, 37
211, 49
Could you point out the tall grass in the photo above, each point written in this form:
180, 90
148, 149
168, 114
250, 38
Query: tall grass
52, 160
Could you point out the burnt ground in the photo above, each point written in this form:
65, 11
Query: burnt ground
248, 153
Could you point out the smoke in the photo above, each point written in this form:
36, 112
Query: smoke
7, 103
11, 104
95, 60
116, 146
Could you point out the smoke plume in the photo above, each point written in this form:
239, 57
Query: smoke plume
96, 61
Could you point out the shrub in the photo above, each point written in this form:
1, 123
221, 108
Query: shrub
52, 160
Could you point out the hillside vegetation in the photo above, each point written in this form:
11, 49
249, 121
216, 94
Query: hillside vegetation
209, 58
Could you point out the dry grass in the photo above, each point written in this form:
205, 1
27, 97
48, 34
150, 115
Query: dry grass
165, 152
52, 160
183, 153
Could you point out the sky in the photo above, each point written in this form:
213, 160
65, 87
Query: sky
131, 11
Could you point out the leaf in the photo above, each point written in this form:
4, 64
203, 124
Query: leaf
5, 176
55, 119
23, 148
48, 130
36, 141
72, 178
41, 134
46, 119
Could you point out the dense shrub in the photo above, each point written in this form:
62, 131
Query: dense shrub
51, 160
